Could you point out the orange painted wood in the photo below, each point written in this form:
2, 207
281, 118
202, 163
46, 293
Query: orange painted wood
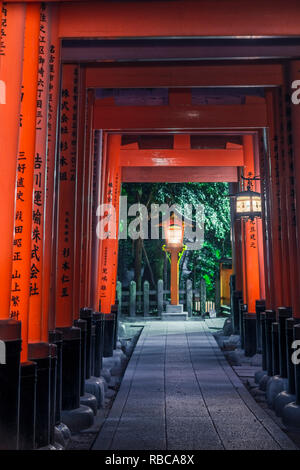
80, 219
179, 117
251, 260
66, 204
11, 58
187, 75
183, 174
49, 265
84, 300
182, 157
290, 183
36, 314
109, 246
22, 252
295, 116
174, 278
181, 18
286, 289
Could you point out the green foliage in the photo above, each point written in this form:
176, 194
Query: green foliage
202, 263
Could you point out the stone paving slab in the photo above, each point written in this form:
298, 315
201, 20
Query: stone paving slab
179, 393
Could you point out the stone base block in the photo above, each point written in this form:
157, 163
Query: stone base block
78, 419
275, 385
282, 399
264, 382
95, 386
62, 435
165, 316
291, 416
91, 401
259, 375
174, 308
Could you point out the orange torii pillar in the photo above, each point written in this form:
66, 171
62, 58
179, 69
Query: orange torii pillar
39, 349
23, 220
11, 59
88, 168
251, 271
295, 118
109, 243
71, 336
288, 176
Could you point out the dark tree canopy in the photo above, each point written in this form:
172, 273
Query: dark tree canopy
198, 263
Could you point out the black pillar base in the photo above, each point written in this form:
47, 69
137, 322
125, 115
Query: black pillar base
98, 319
82, 324
260, 306
249, 334
55, 337
70, 367
109, 332
10, 334
237, 296
27, 406
86, 314
40, 353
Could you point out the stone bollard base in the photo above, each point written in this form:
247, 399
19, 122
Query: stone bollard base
91, 401
275, 385
283, 399
259, 375
264, 382
78, 419
291, 416
62, 435
96, 386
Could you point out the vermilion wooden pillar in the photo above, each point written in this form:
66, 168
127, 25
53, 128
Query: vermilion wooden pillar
22, 254
11, 59
97, 171
80, 186
109, 246
66, 204
250, 240
290, 202
88, 165
48, 299
294, 74
39, 186
273, 227
286, 284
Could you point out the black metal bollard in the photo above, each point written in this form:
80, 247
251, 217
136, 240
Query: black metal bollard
93, 350
269, 319
296, 337
53, 384
249, 320
98, 319
263, 340
71, 368
10, 334
236, 298
115, 310
109, 331
40, 353
260, 306
290, 323
55, 337
275, 348
82, 324
242, 310
86, 314
283, 314
27, 405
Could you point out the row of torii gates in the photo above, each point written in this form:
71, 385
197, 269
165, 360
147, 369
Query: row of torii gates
65, 149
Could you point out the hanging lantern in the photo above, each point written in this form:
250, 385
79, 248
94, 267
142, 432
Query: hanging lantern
248, 203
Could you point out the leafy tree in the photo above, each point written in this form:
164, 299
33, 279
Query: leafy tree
203, 263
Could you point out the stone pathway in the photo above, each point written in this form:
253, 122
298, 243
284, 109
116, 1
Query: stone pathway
179, 393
